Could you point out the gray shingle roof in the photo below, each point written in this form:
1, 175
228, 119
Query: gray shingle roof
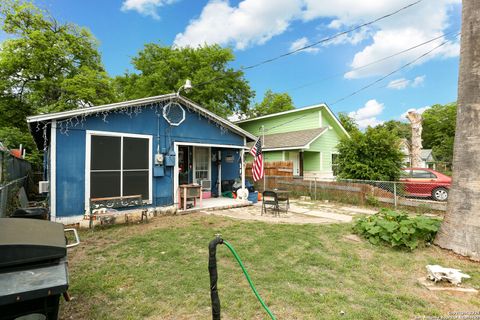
294, 139
425, 153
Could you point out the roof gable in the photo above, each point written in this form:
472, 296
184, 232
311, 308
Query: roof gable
291, 140
317, 106
144, 102
312, 117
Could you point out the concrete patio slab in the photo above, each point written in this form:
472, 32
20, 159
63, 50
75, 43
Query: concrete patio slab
330, 215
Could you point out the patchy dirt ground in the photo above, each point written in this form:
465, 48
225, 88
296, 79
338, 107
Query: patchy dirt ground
159, 270
299, 212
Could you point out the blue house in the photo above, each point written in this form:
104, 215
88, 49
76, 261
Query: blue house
146, 146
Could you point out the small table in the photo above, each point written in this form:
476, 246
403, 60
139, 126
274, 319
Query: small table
187, 191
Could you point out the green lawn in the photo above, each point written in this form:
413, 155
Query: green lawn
159, 271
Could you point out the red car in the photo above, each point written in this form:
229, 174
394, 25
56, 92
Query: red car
423, 182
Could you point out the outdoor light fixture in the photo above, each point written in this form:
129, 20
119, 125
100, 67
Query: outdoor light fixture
186, 87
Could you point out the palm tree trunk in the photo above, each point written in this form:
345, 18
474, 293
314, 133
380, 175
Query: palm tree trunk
460, 230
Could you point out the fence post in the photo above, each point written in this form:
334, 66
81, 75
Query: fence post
395, 195
315, 188
3, 201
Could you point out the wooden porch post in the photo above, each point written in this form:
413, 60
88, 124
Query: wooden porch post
301, 163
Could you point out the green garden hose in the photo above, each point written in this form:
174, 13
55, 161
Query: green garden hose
212, 269
229, 246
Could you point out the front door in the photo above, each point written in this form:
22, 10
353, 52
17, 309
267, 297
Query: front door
185, 165
295, 157
201, 164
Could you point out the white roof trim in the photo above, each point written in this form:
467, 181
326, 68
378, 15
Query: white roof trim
336, 120
105, 107
286, 148
137, 102
283, 112
318, 136
219, 119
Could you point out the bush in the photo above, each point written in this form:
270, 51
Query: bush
397, 229
373, 155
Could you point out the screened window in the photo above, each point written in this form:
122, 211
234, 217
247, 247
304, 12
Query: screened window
202, 163
119, 166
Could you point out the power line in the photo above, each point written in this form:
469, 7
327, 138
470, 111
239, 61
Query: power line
389, 74
369, 64
315, 43
378, 80
287, 122
332, 37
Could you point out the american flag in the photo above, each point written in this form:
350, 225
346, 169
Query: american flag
257, 167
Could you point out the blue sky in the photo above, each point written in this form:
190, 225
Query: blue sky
261, 29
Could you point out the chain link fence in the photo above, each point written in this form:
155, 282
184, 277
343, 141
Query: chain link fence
9, 195
419, 196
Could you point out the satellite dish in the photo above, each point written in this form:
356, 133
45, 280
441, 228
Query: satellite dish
174, 113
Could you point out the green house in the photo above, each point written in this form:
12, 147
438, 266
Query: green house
307, 136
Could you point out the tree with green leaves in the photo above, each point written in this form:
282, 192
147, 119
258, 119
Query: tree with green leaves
372, 155
348, 123
45, 66
162, 69
439, 131
401, 129
272, 103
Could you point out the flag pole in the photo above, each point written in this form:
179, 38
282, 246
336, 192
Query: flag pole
263, 162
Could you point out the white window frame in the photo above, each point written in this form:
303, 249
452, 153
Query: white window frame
88, 150
209, 150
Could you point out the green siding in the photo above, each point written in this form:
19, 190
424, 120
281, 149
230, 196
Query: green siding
308, 119
267, 156
319, 156
327, 143
273, 155
311, 161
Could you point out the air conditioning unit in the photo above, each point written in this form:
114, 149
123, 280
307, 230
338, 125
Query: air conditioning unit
43, 186
206, 184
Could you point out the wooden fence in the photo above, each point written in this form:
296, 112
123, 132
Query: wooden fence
274, 168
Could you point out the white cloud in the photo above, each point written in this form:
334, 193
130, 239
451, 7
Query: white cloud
418, 81
145, 7
404, 30
367, 115
398, 84
403, 83
302, 42
353, 38
252, 22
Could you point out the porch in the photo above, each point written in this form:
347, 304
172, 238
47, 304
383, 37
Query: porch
220, 203
209, 170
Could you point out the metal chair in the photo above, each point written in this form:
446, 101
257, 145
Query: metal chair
270, 201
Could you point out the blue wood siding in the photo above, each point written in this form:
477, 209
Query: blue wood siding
70, 164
